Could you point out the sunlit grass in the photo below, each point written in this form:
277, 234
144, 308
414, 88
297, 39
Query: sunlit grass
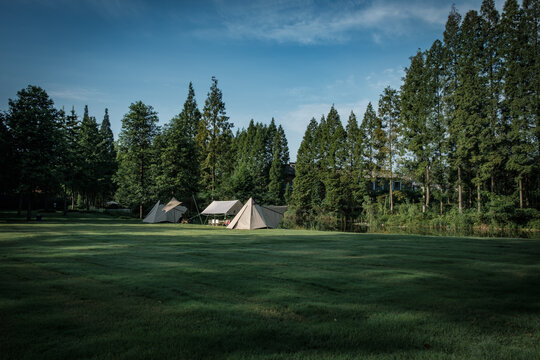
105, 288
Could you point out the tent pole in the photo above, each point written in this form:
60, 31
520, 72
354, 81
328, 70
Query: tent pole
197, 207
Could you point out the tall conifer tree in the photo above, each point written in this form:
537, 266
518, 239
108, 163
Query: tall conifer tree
305, 181
106, 159
215, 135
389, 113
89, 140
136, 155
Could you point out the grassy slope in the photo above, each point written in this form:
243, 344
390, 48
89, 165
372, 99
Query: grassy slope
100, 288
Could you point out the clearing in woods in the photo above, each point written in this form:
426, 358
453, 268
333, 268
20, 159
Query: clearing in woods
99, 287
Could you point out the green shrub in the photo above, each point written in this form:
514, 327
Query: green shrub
500, 210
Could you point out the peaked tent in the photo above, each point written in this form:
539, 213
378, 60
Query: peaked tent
225, 208
156, 215
172, 212
253, 216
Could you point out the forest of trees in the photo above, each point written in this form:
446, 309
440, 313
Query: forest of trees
463, 130
461, 134
52, 155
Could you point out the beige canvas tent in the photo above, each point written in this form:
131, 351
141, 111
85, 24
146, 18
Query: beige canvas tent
253, 216
224, 208
171, 212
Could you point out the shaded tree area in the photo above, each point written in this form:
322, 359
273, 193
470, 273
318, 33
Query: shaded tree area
261, 153
31, 133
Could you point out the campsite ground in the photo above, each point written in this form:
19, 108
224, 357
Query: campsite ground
96, 287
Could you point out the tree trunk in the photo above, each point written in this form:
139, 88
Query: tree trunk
65, 210
427, 189
72, 200
441, 207
141, 181
460, 191
391, 197
520, 181
478, 197
492, 184
423, 198
19, 210
29, 208
213, 179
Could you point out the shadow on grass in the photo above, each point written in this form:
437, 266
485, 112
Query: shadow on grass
139, 292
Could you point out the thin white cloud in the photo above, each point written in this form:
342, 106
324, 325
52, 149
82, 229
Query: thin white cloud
77, 94
306, 23
388, 77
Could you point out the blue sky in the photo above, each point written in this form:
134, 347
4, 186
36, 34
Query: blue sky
287, 59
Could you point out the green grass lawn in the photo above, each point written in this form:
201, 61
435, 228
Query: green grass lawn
100, 288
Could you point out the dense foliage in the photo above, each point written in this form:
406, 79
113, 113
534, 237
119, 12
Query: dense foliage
195, 155
462, 130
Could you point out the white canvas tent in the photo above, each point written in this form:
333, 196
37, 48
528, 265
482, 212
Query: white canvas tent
253, 216
171, 212
225, 208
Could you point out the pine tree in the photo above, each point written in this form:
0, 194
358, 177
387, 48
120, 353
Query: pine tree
452, 36
178, 168
389, 113
275, 187
305, 181
415, 109
369, 135
490, 72
517, 81
6, 161
35, 129
72, 155
284, 147
434, 67
106, 159
354, 169
136, 155
333, 160
260, 162
530, 27
89, 154
190, 115
215, 135
470, 116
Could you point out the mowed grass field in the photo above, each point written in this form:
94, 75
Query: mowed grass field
98, 288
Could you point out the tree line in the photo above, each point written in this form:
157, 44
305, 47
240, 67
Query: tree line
463, 126
48, 152
197, 154
51, 153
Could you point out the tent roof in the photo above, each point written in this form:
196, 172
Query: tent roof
223, 208
253, 216
171, 205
